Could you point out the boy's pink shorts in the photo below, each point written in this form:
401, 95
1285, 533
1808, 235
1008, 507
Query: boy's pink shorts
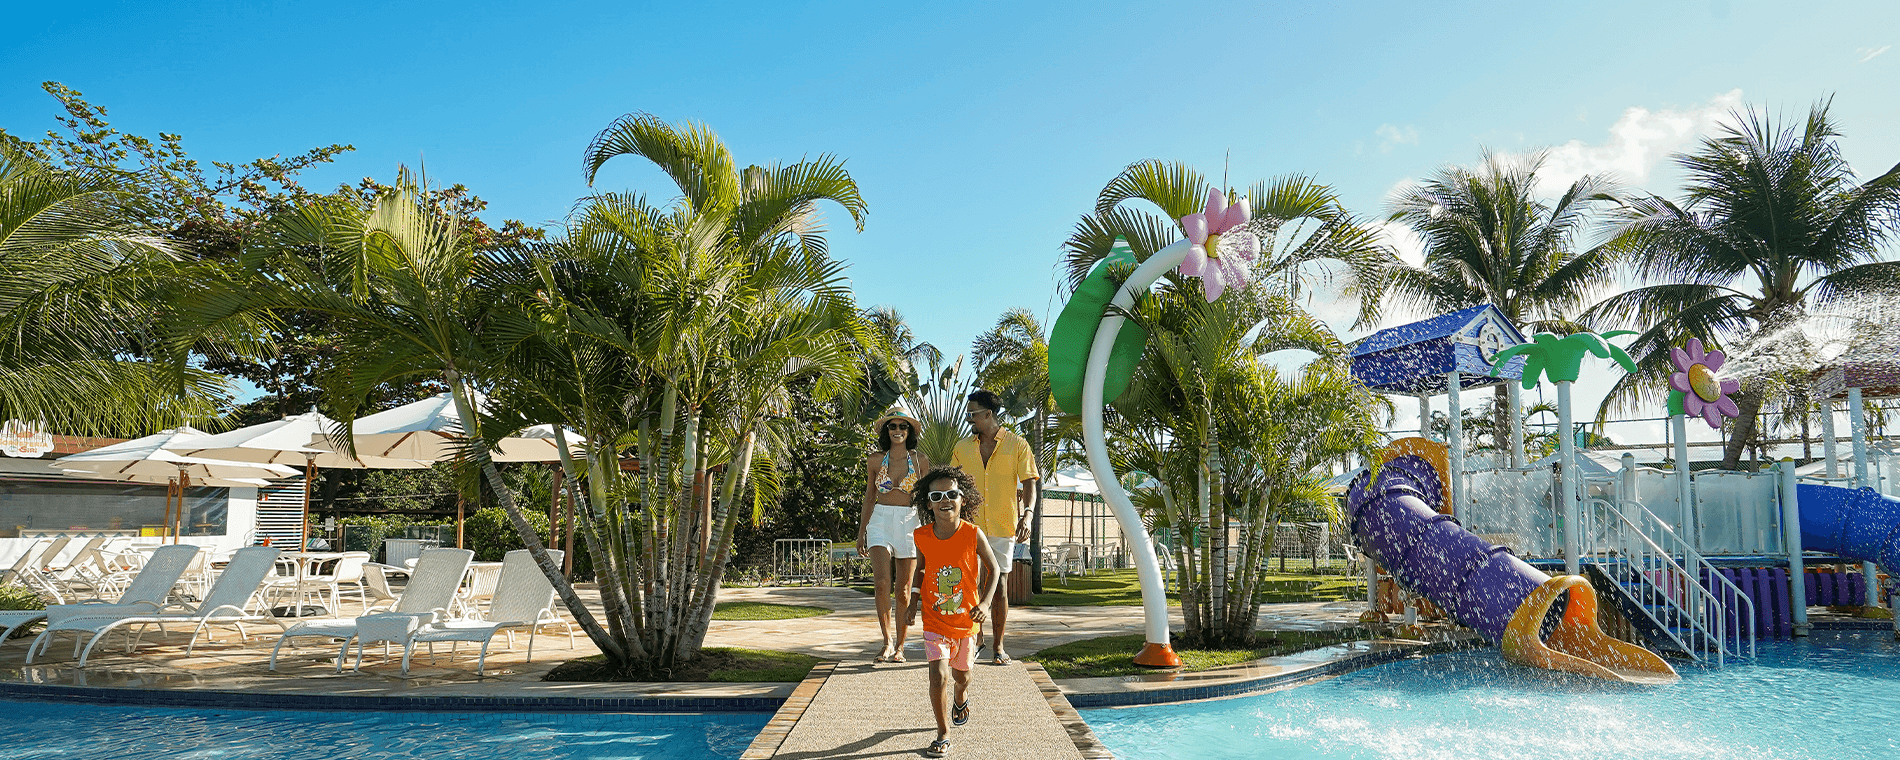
960, 652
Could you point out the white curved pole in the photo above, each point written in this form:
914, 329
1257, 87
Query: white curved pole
1154, 597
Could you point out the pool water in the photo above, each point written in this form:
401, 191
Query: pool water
1834, 696
99, 732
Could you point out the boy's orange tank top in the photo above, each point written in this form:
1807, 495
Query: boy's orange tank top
951, 572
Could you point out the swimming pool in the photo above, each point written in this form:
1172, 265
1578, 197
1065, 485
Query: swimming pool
97, 732
1834, 696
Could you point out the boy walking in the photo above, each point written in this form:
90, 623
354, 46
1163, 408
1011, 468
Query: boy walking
959, 577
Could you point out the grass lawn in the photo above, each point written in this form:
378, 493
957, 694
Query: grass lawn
764, 611
1114, 655
729, 664
1119, 587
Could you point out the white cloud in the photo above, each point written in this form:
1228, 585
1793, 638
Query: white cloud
1639, 141
1391, 136
1868, 54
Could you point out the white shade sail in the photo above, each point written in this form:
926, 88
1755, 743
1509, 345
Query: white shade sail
430, 430
150, 457
285, 442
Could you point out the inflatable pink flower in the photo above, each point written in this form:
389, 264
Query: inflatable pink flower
1702, 393
1220, 263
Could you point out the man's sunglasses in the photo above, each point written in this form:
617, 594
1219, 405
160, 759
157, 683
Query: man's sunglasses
952, 494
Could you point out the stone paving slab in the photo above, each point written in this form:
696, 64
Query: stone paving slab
879, 711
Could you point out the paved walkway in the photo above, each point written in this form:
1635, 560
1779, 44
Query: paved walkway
877, 711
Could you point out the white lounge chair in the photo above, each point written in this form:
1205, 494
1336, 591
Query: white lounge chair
145, 595
12, 620
430, 591
24, 563
228, 602
523, 599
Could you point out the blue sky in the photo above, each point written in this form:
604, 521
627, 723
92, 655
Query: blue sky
978, 132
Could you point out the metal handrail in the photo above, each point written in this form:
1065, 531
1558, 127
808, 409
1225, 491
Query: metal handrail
1699, 605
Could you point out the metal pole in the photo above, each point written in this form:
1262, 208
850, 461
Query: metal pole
1567, 453
1424, 416
1456, 466
1791, 541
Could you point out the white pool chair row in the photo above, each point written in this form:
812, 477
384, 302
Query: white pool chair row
228, 602
145, 595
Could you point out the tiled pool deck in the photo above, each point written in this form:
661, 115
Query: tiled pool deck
160, 672
226, 675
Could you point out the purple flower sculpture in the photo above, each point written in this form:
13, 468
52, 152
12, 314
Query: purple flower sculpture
1220, 262
1702, 392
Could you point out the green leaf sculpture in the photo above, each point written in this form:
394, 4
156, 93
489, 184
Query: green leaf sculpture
1560, 358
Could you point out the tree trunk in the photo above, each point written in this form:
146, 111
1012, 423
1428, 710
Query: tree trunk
575, 605
1750, 401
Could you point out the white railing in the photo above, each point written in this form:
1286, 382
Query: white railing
1634, 538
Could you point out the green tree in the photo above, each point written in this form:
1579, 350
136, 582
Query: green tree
1489, 239
673, 337
1771, 224
83, 274
1304, 231
1230, 441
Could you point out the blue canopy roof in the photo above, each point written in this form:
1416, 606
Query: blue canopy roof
1415, 358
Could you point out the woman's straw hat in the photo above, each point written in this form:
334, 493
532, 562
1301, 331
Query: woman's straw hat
898, 413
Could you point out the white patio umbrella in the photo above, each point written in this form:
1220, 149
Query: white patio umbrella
287, 442
149, 460
431, 430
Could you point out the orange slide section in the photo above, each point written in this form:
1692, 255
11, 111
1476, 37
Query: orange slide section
1577, 645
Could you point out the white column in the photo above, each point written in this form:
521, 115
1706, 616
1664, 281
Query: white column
1514, 424
1567, 448
1685, 493
1829, 438
1791, 542
1455, 467
1857, 425
1424, 416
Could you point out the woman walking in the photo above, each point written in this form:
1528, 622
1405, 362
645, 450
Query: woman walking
887, 519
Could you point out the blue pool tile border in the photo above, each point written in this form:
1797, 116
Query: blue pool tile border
1090, 700
228, 700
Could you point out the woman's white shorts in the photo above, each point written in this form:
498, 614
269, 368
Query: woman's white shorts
891, 526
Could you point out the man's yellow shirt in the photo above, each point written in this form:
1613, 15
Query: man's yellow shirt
1010, 464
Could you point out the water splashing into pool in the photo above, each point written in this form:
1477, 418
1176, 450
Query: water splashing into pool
1833, 697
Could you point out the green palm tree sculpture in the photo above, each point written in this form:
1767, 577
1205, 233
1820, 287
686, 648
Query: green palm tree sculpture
1559, 358
1772, 224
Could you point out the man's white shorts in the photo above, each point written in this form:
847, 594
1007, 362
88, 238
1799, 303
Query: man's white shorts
1004, 548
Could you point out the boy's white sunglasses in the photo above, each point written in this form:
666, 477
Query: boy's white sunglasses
936, 496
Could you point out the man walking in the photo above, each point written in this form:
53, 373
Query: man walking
1002, 464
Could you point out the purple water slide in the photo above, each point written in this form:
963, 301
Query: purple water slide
1857, 524
1479, 583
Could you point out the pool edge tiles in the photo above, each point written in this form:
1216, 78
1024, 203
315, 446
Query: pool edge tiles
1250, 677
238, 700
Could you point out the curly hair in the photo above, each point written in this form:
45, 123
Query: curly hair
910, 441
920, 498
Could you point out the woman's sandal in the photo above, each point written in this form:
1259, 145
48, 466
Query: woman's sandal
963, 709
938, 748
896, 657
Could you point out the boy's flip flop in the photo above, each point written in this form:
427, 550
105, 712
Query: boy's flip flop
938, 748
963, 709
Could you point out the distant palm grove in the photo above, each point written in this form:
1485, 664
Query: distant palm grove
707, 353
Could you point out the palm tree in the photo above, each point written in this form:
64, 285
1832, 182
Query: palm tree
1302, 226
83, 275
1229, 440
1012, 360
1772, 224
1489, 239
